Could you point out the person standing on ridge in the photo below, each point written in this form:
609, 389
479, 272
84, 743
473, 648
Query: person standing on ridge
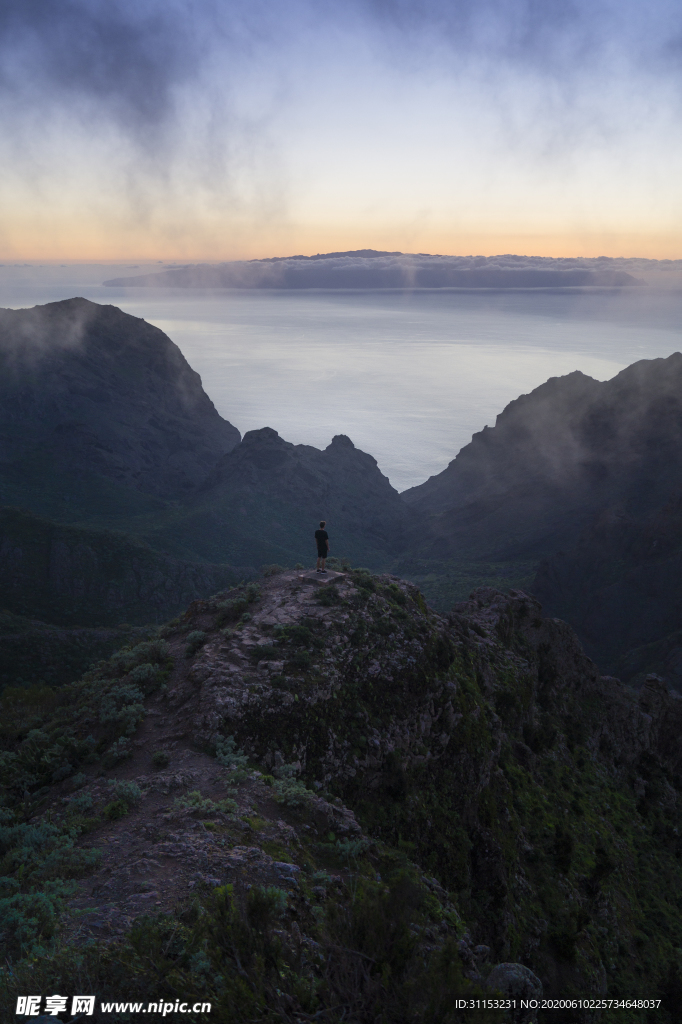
322, 541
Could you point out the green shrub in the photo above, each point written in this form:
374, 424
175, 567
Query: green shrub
265, 652
236, 607
80, 804
196, 639
229, 611
27, 920
328, 596
272, 570
235, 760
115, 810
118, 751
196, 802
160, 759
396, 594
147, 676
289, 790
300, 659
42, 851
265, 904
130, 792
297, 636
155, 652
123, 704
562, 849
363, 578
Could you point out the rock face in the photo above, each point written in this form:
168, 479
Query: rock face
89, 393
516, 983
557, 457
265, 498
70, 576
460, 797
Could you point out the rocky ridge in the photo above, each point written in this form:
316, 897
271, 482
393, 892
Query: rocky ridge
329, 753
556, 459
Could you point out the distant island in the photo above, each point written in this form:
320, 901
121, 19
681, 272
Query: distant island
369, 268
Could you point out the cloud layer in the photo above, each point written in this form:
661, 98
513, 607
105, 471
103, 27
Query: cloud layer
220, 128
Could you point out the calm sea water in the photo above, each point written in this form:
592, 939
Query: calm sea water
407, 376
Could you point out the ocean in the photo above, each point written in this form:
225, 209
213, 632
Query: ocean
408, 376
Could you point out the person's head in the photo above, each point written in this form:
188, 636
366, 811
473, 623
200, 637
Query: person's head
323, 523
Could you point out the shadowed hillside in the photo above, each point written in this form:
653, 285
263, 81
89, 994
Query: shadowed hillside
71, 576
100, 413
320, 800
621, 589
557, 457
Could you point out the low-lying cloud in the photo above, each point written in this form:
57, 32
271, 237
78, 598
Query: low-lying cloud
370, 269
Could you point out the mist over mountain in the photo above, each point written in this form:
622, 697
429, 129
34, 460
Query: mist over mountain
571, 448
103, 423
88, 392
368, 268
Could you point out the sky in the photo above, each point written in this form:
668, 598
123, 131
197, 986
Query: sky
207, 130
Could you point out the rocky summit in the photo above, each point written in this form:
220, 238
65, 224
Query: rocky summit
315, 798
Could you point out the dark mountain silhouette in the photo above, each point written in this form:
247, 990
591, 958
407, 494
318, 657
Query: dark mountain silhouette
99, 412
264, 499
556, 458
104, 424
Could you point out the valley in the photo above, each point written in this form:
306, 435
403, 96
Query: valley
450, 766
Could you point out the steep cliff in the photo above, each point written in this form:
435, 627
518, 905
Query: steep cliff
99, 413
326, 800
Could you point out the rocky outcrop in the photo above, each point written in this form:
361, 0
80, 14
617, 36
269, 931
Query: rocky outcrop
336, 775
93, 400
556, 458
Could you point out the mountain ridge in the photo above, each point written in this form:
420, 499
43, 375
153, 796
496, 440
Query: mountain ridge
341, 778
557, 457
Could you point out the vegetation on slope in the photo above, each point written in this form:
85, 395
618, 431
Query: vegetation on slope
510, 804
74, 576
